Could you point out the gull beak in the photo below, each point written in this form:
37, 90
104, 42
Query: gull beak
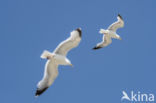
71, 65
120, 38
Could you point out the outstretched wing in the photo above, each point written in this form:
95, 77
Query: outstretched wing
69, 43
117, 24
50, 74
98, 46
106, 41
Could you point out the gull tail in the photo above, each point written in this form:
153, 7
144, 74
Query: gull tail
46, 54
103, 31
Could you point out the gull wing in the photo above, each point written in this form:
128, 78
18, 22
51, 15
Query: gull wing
118, 24
50, 74
106, 41
64, 47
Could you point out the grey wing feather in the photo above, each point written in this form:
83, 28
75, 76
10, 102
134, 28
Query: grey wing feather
98, 46
69, 43
50, 74
117, 24
105, 41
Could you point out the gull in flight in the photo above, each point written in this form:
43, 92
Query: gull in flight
58, 57
110, 33
125, 96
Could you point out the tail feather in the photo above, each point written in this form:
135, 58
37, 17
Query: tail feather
46, 54
103, 31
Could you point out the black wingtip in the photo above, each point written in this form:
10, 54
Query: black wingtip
95, 48
79, 30
120, 16
39, 92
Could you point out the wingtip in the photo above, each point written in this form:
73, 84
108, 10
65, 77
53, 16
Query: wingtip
80, 31
39, 92
95, 48
120, 16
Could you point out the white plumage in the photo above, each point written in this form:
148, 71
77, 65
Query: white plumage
110, 33
58, 57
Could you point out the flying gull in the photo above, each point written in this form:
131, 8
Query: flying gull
110, 33
58, 57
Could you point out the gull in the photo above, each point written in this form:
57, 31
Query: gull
110, 33
58, 57
125, 96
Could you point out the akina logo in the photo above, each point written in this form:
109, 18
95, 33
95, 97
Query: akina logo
137, 97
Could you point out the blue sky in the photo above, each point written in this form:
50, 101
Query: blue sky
30, 26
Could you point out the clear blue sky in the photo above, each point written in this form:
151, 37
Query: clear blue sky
27, 27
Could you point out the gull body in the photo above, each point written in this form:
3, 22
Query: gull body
56, 58
110, 33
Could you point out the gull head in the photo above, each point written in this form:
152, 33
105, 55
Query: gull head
51, 56
120, 38
68, 62
71, 65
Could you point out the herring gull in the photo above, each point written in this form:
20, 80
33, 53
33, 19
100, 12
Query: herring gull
58, 57
110, 33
